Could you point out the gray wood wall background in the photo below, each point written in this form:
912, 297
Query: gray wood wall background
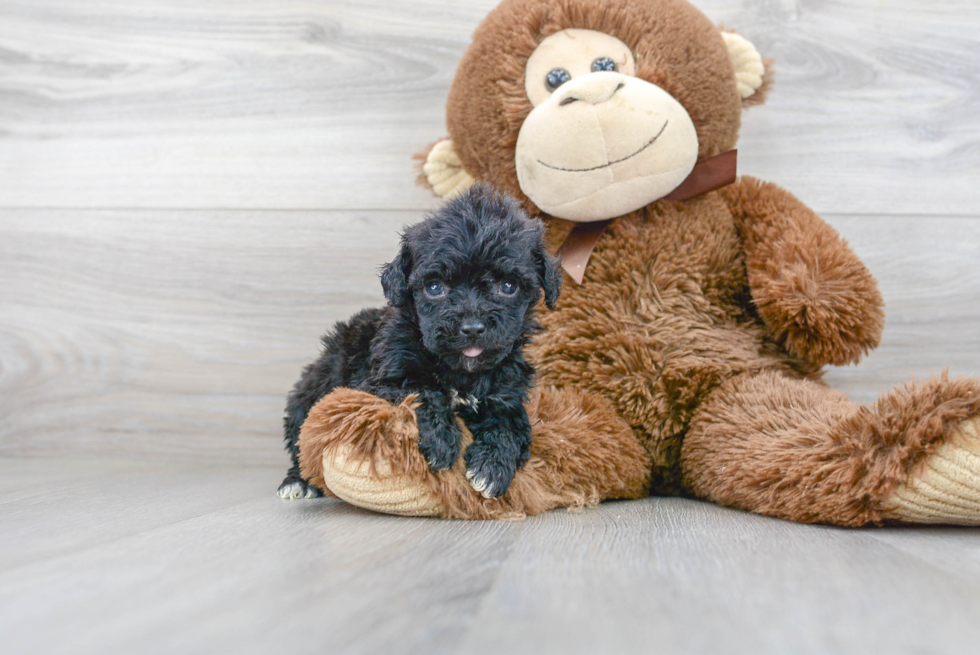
191, 192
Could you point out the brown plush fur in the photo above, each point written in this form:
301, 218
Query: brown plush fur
582, 453
694, 346
802, 451
818, 299
665, 314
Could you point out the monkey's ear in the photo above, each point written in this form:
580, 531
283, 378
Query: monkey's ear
753, 75
443, 171
394, 277
549, 274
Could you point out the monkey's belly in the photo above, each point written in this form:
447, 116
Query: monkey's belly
661, 320
655, 368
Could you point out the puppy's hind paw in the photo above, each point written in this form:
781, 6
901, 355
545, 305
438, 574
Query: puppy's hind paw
293, 489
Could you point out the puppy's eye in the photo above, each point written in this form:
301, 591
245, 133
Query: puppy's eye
603, 64
556, 77
435, 289
508, 287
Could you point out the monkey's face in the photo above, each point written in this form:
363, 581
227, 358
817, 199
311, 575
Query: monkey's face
599, 142
591, 109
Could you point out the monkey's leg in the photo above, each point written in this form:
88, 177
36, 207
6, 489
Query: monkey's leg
802, 451
365, 451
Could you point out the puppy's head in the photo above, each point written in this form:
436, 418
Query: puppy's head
472, 273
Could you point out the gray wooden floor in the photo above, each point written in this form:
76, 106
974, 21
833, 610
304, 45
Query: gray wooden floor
191, 192
123, 557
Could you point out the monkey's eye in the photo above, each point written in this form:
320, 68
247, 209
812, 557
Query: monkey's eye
435, 289
556, 77
603, 64
508, 287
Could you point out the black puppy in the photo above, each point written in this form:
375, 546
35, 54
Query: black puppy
462, 294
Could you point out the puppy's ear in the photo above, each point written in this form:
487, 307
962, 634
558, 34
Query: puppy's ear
549, 274
394, 277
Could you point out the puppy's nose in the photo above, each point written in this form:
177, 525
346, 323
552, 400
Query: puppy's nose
472, 327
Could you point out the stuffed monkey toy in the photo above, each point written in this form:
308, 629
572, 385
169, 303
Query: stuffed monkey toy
685, 354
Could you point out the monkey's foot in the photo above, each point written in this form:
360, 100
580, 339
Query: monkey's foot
946, 488
365, 450
375, 486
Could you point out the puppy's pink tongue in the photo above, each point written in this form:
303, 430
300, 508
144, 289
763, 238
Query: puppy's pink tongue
473, 351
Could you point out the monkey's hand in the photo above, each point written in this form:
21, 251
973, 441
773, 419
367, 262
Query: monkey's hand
812, 291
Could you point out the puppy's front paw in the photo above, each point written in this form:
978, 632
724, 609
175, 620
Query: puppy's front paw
440, 450
489, 469
439, 436
294, 489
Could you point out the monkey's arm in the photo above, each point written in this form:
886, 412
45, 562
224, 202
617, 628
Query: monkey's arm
811, 290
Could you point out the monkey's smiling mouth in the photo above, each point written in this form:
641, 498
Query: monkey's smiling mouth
610, 163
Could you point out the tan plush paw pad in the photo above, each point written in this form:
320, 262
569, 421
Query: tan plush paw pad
377, 488
947, 490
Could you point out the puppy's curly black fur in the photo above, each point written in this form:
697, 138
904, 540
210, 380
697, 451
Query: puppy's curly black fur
462, 294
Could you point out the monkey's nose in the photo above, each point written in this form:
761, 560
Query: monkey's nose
472, 328
594, 88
